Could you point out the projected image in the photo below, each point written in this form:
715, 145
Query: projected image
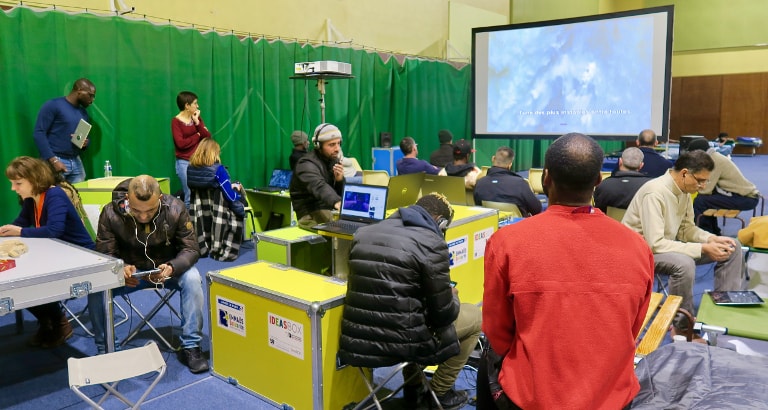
591, 76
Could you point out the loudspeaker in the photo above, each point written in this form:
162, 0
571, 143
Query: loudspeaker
685, 140
385, 139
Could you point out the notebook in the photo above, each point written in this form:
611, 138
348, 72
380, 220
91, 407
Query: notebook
361, 205
735, 298
81, 133
451, 187
404, 190
280, 181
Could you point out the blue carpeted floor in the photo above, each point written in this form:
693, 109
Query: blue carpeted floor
37, 379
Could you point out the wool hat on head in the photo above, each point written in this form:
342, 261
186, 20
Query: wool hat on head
444, 136
299, 137
462, 147
326, 132
698, 144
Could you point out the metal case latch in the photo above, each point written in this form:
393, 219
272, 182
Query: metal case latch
78, 290
6, 306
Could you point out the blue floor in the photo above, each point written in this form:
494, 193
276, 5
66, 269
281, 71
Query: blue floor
37, 379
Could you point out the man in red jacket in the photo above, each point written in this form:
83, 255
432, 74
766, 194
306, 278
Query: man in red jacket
566, 293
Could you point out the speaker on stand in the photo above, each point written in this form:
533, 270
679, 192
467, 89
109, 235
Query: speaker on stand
385, 139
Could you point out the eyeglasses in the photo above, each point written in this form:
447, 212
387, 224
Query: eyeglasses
699, 181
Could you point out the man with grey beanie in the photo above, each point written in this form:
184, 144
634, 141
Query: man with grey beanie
318, 179
300, 144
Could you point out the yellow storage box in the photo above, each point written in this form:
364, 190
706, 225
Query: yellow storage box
275, 333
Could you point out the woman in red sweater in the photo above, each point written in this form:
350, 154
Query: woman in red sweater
188, 130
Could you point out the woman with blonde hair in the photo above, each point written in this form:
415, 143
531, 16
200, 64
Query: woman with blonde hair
215, 198
46, 212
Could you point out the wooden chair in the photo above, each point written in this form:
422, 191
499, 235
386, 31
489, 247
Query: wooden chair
656, 324
371, 177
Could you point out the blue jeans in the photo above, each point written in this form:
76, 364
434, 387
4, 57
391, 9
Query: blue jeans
75, 170
189, 285
181, 172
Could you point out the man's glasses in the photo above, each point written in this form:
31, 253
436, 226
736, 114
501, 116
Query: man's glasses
699, 181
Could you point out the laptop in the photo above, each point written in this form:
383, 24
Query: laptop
280, 181
451, 187
404, 190
361, 205
735, 298
81, 133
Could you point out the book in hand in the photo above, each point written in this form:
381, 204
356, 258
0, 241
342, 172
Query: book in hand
81, 133
736, 298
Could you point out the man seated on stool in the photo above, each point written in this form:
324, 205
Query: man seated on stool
662, 212
318, 180
148, 230
502, 185
410, 163
727, 188
400, 304
618, 190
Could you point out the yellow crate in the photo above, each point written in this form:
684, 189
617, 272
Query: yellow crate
275, 333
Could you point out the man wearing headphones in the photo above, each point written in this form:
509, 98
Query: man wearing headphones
150, 231
318, 180
401, 305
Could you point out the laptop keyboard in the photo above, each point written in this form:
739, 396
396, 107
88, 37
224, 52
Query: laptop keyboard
345, 225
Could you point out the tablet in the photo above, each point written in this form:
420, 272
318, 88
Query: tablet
81, 133
735, 298
144, 273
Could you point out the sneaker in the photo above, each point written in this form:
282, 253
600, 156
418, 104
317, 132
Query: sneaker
195, 360
452, 399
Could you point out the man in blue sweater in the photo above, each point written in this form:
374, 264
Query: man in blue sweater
56, 122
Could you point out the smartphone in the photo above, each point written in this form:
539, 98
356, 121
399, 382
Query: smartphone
453, 283
143, 273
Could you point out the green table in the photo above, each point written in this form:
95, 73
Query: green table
743, 321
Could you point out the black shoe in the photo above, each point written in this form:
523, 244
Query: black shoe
413, 395
195, 360
452, 399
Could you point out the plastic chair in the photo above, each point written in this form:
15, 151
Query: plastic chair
615, 213
165, 299
504, 206
380, 178
534, 179
483, 172
109, 369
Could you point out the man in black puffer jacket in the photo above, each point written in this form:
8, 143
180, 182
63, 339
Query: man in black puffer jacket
400, 305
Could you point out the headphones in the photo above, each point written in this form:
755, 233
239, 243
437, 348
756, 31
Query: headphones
320, 129
442, 223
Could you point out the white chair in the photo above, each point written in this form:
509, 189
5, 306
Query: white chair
109, 369
372, 400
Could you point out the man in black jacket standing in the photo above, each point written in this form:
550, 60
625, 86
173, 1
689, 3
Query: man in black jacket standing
400, 305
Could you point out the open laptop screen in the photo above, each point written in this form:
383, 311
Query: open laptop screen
366, 203
281, 178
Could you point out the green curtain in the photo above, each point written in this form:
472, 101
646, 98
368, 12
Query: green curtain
246, 95
247, 98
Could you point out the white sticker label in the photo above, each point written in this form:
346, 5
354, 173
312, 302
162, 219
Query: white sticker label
481, 238
458, 250
231, 315
286, 335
